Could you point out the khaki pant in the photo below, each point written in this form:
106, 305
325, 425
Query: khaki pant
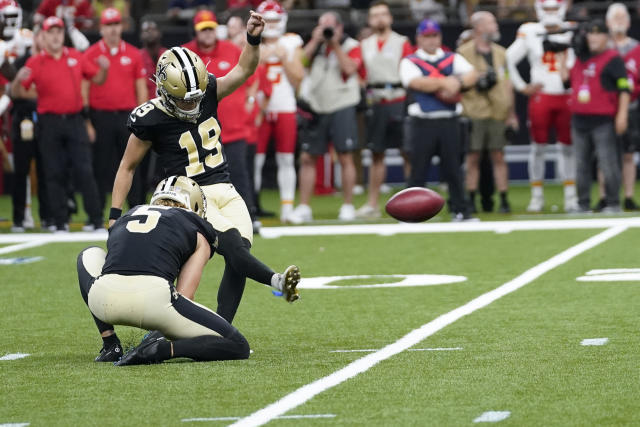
227, 210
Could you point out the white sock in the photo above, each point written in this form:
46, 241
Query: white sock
566, 164
536, 163
258, 163
286, 176
276, 282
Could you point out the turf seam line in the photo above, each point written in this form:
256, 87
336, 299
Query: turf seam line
307, 392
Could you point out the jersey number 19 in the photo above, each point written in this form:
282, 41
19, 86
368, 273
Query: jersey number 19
209, 132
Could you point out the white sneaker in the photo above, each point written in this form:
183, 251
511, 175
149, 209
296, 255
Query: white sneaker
17, 229
28, 219
536, 204
286, 209
302, 213
347, 213
571, 205
385, 189
368, 212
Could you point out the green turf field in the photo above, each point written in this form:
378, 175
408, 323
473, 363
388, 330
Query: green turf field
521, 354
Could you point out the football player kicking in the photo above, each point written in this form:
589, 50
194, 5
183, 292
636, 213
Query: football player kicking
132, 284
181, 125
548, 99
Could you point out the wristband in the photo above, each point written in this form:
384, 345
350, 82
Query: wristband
254, 40
85, 112
115, 213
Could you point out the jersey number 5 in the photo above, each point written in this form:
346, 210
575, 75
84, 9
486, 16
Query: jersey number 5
209, 132
152, 216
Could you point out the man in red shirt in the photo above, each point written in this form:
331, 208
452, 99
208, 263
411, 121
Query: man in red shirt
221, 56
79, 12
108, 105
56, 73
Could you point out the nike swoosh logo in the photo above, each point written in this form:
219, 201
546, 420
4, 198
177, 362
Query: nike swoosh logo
133, 118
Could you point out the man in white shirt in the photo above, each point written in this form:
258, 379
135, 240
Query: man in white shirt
434, 79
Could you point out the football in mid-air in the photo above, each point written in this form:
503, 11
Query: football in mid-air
414, 204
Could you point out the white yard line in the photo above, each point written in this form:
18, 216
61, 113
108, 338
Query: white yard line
14, 356
594, 341
448, 227
307, 392
411, 349
22, 246
492, 417
283, 417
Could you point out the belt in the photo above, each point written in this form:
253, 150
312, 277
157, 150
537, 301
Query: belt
61, 116
384, 85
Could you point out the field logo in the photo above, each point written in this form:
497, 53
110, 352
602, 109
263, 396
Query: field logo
20, 260
611, 275
378, 281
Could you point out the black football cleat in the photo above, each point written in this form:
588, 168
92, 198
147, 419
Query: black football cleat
146, 352
112, 353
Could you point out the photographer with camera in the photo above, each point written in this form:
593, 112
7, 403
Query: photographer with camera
332, 90
489, 105
599, 107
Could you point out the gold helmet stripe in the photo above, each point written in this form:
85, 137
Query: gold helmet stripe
188, 70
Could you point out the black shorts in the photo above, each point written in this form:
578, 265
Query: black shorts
385, 126
339, 128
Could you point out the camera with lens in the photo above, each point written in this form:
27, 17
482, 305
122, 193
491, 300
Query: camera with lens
487, 80
555, 47
328, 33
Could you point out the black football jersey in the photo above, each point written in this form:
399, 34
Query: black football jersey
154, 240
184, 148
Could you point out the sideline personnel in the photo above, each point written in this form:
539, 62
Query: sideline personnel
110, 103
56, 73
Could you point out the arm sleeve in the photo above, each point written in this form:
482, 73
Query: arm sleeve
356, 55
614, 76
461, 65
89, 66
516, 53
138, 127
408, 72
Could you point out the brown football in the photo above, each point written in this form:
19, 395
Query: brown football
414, 204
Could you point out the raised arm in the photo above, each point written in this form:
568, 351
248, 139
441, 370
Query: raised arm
248, 61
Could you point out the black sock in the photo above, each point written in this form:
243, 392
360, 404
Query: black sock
164, 350
472, 196
230, 292
503, 197
210, 347
110, 340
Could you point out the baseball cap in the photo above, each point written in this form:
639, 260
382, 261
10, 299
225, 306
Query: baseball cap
205, 19
110, 15
428, 26
597, 26
52, 21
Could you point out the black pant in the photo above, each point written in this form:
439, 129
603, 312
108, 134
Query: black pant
442, 137
111, 140
23, 153
236, 152
63, 142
